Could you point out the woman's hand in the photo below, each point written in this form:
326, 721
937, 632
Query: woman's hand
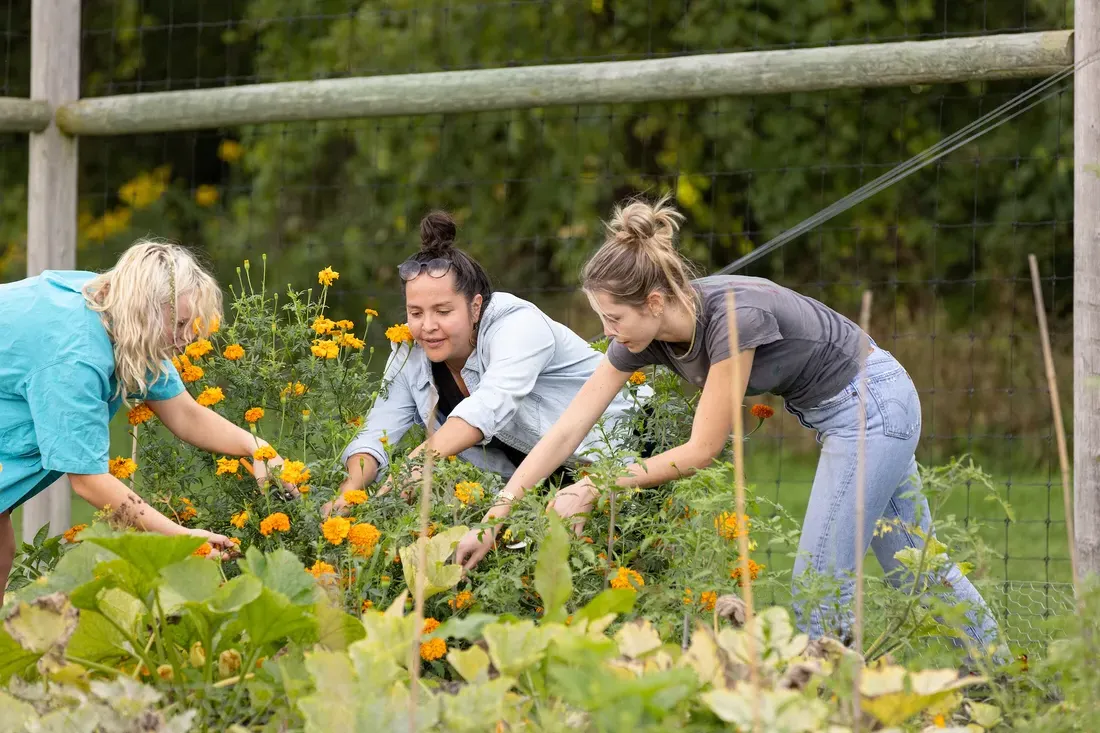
571, 501
474, 546
217, 541
264, 470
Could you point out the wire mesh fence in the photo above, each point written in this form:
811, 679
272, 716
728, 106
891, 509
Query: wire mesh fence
943, 252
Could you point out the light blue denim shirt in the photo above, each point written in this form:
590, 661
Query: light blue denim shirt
524, 372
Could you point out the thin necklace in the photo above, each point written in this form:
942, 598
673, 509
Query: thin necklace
691, 346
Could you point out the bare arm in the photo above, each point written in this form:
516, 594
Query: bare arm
709, 430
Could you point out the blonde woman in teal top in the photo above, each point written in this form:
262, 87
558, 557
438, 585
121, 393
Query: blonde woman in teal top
73, 347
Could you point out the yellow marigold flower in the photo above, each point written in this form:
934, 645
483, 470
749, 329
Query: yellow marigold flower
210, 396
452, 459
384, 441
325, 349
327, 276
139, 414
637, 378
433, 649
203, 550
294, 472
345, 324
228, 465
253, 414
399, 333
236, 540
322, 325
355, 497
199, 349
688, 597
321, 568
707, 599
191, 373
264, 453
206, 195
367, 605
465, 599
215, 325
239, 520
352, 342
627, 579
468, 491
729, 527
306, 413
230, 151
121, 468
356, 422
72, 532
176, 363
364, 536
939, 721
336, 529
146, 188
277, 522
233, 352
298, 389
371, 312
754, 570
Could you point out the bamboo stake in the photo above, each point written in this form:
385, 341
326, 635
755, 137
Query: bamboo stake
739, 488
421, 569
1059, 427
861, 496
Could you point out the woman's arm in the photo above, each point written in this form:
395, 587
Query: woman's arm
104, 490
554, 449
710, 430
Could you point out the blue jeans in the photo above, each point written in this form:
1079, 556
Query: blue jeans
891, 493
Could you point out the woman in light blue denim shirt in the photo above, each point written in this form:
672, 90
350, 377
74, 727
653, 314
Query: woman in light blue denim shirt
515, 370
789, 345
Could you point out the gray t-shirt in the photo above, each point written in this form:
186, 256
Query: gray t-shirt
805, 351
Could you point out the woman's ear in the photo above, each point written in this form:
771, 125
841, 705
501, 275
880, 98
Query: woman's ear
656, 302
475, 308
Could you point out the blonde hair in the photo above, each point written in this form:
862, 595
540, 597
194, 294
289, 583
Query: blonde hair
639, 256
131, 298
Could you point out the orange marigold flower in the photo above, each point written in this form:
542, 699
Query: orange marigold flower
371, 313
354, 497
294, 472
196, 326
327, 276
210, 396
228, 465
191, 374
199, 349
430, 625
325, 349
233, 352
367, 605
433, 649
627, 579
239, 520
236, 541
939, 721
707, 599
321, 568
762, 412
187, 514
139, 414
364, 536
356, 422
121, 468
264, 453
72, 532
465, 599
468, 492
637, 378
253, 414
399, 333
688, 597
203, 550
729, 527
297, 388
277, 522
322, 325
336, 529
754, 570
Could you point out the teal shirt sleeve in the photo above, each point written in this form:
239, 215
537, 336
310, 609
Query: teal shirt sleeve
167, 386
69, 405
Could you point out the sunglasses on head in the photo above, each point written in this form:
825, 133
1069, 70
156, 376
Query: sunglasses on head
437, 267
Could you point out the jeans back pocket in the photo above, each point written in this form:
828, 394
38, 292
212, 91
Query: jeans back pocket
898, 403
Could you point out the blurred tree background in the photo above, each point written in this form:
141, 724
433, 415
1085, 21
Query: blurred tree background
944, 251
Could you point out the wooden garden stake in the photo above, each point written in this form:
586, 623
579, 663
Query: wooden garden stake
421, 569
861, 495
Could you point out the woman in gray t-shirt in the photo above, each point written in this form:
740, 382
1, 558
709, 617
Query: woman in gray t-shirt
789, 345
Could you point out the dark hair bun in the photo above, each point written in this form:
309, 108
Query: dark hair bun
437, 233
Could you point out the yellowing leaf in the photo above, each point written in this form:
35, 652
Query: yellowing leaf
472, 663
439, 575
893, 695
776, 711
44, 626
702, 656
987, 716
637, 638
